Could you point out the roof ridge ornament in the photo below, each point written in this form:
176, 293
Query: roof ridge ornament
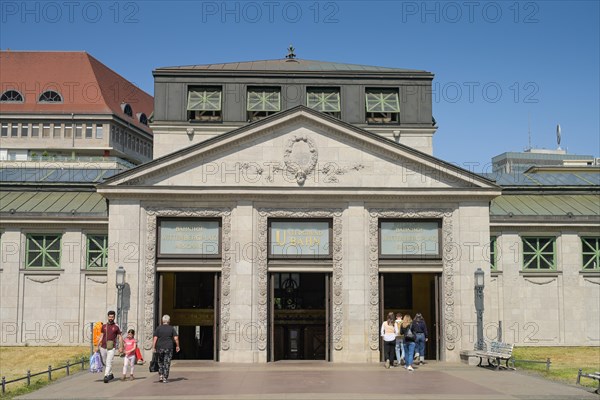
291, 55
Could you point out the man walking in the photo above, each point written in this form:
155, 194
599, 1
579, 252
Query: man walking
107, 342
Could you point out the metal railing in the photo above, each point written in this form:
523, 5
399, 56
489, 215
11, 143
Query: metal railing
547, 362
48, 372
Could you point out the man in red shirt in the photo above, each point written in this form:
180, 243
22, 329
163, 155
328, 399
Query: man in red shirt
107, 344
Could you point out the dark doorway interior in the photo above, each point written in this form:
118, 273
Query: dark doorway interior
412, 293
299, 307
190, 299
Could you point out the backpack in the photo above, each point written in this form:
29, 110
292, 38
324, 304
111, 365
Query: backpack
96, 362
409, 334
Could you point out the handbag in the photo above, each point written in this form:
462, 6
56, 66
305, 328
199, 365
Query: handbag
154, 363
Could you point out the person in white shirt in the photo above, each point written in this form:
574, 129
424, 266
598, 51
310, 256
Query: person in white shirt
389, 331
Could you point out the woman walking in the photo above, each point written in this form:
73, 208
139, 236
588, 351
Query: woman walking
164, 337
389, 331
399, 341
421, 338
407, 330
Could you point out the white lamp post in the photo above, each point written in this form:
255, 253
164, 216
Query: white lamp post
120, 285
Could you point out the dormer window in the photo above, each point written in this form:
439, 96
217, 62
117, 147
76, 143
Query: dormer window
204, 104
262, 102
382, 106
127, 109
11, 96
50, 96
325, 100
142, 118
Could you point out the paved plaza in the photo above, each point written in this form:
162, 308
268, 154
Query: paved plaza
314, 380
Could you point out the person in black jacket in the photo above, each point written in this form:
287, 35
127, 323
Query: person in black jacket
421, 338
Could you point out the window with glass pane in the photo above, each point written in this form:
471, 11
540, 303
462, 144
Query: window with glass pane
262, 102
539, 253
493, 253
4, 132
97, 251
43, 251
99, 131
68, 130
14, 129
24, 130
56, 131
46, 130
325, 100
590, 247
89, 131
204, 104
35, 130
382, 106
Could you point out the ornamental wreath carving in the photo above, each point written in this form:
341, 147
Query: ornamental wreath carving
300, 162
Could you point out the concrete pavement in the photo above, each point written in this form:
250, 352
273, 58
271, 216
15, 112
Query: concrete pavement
314, 381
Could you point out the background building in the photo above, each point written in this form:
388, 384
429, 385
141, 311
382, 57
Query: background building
67, 122
292, 204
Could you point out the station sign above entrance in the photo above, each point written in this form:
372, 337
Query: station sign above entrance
409, 239
185, 238
300, 239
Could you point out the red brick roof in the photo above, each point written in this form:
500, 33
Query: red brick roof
86, 85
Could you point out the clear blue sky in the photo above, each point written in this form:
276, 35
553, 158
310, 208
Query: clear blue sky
497, 64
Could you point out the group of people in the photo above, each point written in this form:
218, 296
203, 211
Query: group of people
111, 340
405, 339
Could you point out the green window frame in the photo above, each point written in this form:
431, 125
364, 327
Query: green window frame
43, 250
262, 102
382, 105
325, 100
494, 253
539, 253
590, 251
264, 99
97, 252
205, 104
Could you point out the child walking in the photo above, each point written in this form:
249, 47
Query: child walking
130, 347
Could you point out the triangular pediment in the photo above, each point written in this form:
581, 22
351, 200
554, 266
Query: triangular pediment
300, 149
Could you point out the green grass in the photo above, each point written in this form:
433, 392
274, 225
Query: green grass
15, 361
565, 362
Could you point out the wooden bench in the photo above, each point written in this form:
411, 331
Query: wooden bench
595, 375
498, 352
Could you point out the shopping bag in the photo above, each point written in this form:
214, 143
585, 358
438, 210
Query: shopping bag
154, 363
138, 356
96, 362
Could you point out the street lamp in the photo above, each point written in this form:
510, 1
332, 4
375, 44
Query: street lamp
120, 285
479, 284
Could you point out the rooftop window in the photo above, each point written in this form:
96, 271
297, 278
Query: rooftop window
142, 118
50, 96
11, 96
382, 105
127, 109
205, 104
262, 102
325, 100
